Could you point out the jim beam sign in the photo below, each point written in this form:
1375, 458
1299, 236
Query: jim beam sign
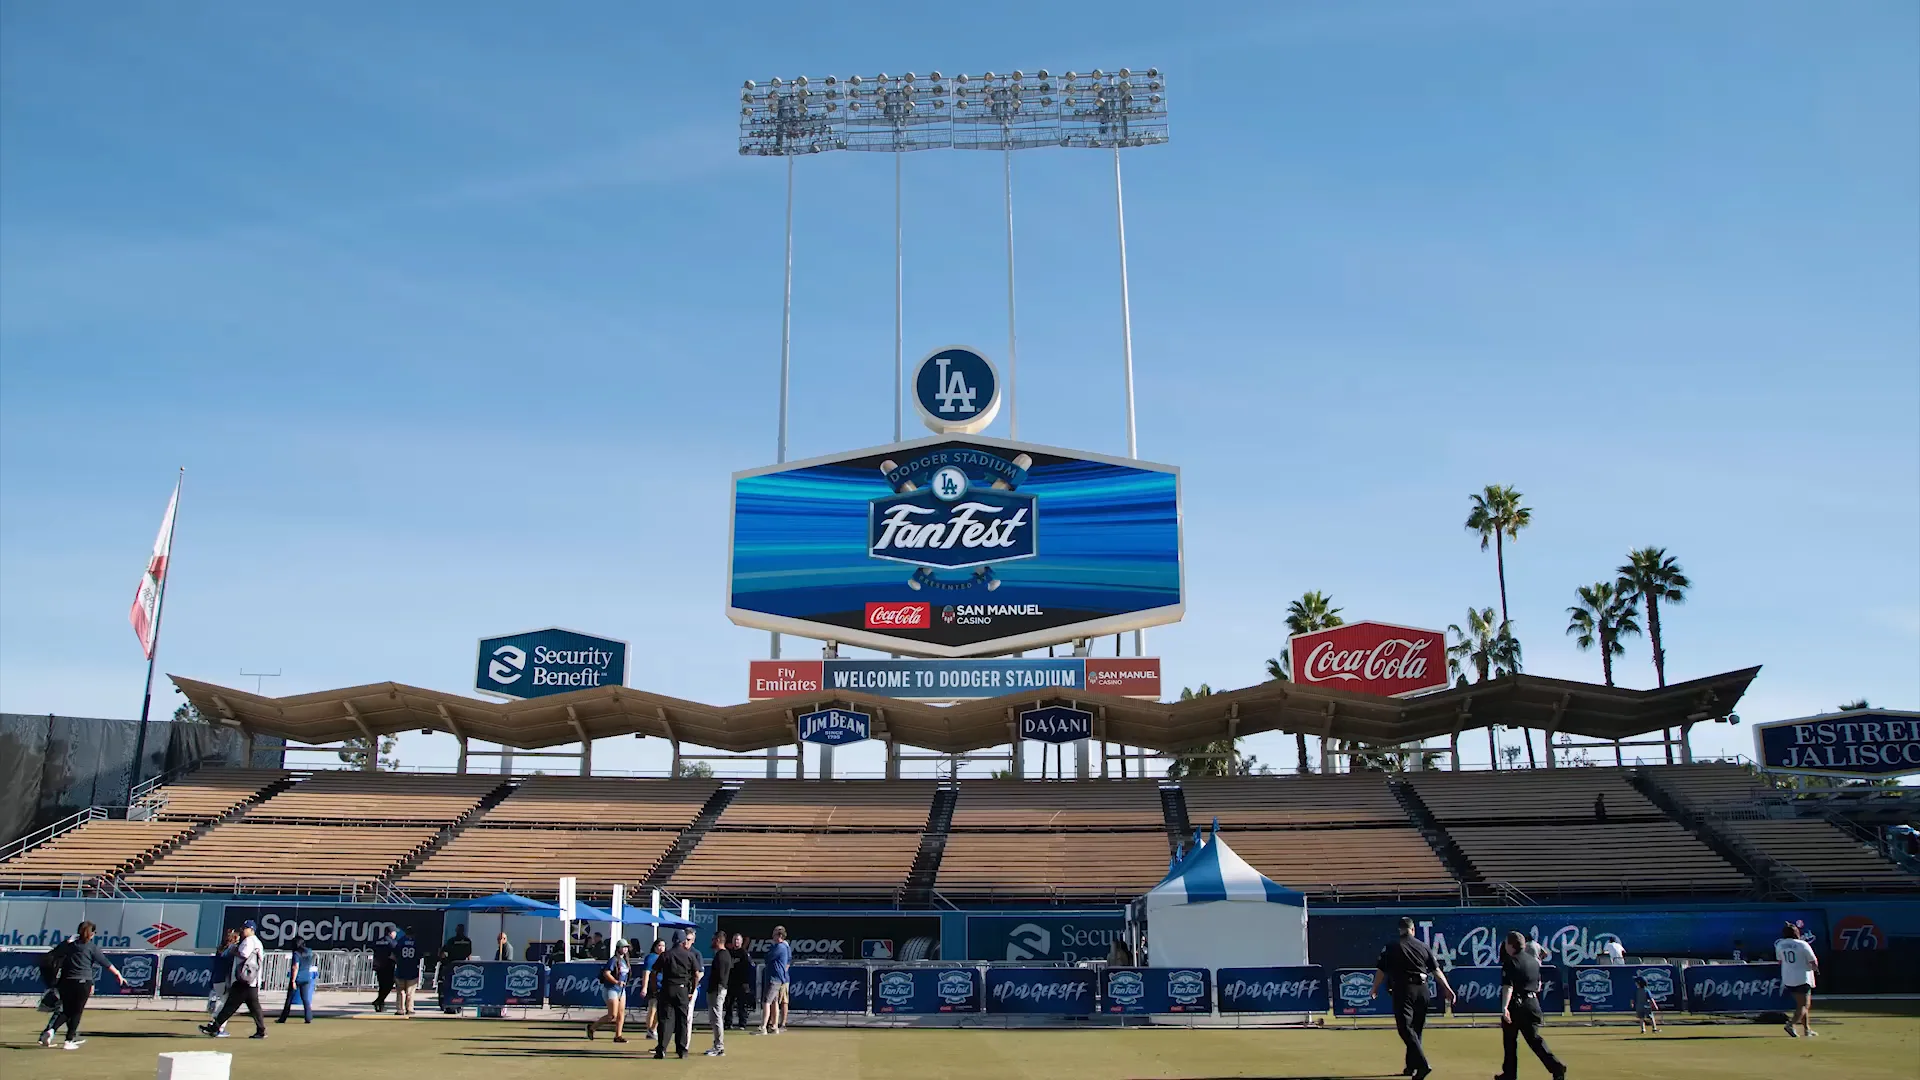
1371, 658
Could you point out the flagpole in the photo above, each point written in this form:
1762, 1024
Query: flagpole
159, 612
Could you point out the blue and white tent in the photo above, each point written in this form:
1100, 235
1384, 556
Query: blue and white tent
1213, 910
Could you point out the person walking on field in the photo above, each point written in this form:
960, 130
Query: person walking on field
300, 976
1404, 967
740, 997
613, 986
1520, 1014
650, 983
678, 971
70, 968
1798, 966
779, 973
719, 981
406, 973
382, 951
249, 963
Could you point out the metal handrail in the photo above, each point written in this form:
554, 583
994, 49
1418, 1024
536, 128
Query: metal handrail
40, 836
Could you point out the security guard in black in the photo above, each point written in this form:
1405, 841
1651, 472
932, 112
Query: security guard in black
1520, 1013
1404, 967
678, 972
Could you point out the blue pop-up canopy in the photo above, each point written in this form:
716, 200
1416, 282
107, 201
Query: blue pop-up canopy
506, 903
1214, 910
639, 916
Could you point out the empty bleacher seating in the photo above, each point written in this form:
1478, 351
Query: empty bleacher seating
829, 804
1831, 860
866, 864
602, 802
353, 797
1616, 859
1711, 787
207, 794
1567, 794
1382, 862
1292, 800
93, 850
1041, 805
531, 861
1077, 865
244, 856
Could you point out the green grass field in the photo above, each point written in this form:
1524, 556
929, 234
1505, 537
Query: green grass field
123, 1044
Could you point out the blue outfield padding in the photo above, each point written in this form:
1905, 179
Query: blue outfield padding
1042, 991
1477, 990
1609, 988
141, 970
496, 984
1135, 991
186, 975
838, 988
1736, 988
926, 990
1274, 990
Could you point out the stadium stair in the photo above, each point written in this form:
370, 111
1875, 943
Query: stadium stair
1772, 879
487, 802
933, 844
691, 836
1451, 856
1173, 803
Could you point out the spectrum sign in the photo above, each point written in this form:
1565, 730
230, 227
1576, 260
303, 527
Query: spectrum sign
1371, 658
956, 546
956, 680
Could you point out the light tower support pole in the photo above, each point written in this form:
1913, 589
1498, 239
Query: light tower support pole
899, 307
1126, 341
1013, 357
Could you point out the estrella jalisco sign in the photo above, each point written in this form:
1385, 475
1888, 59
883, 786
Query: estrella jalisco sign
1859, 742
956, 546
536, 663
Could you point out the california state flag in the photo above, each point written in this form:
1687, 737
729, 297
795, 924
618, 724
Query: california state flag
146, 602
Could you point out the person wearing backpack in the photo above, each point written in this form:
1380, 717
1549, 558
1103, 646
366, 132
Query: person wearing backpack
69, 969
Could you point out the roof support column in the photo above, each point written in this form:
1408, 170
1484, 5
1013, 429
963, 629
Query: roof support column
1326, 740
586, 743
1233, 739
1017, 760
1686, 743
463, 754
372, 760
1553, 726
453, 727
1100, 730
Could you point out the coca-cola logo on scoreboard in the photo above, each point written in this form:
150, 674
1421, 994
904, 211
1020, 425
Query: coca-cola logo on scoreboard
902, 615
1371, 658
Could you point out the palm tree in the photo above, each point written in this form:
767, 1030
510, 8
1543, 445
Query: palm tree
1220, 757
1652, 575
1498, 516
1313, 611
1604, 615
1490, 652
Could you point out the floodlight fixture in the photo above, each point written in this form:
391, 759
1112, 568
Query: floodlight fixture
898, 114
1113, 109
786, 119
1016, 111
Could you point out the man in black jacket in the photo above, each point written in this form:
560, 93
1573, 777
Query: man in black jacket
719, 982
677, 972
1520, 1013
382, 951
740, 995
1404, 967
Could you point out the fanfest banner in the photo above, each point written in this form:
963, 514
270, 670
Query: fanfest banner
1353, 994
1371, 658
1046, 991
1274, 990
958, 545
141, 971
1477, 990
184, 976
926, 990
1610, 988
827, 988
1136, 991
957, 680
577, 986
1736, 988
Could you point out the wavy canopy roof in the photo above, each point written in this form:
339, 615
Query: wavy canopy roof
1552, 705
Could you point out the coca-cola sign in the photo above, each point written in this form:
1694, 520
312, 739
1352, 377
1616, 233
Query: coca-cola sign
1371, 658
900, 615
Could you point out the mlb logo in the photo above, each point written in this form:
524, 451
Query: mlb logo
876, 949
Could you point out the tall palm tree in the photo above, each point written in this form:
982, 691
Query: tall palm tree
1498, 516
1652, 575
1491, 650
1604, 615
1313, 611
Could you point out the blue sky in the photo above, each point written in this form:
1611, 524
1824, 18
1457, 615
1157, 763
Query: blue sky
460, 315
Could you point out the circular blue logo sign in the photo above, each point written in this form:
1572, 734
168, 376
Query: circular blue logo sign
956, 390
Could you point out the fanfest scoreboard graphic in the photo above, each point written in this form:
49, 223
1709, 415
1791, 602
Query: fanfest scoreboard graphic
956, 546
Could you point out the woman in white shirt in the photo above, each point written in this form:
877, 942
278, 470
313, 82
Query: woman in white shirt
1798, 966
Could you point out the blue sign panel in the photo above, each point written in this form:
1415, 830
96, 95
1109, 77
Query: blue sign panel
1070, 937
956, 389
1056, 724
141, 971
926, 990
1274, 990
1353, 993
827, 988
1860, 742
519, 984
1477, 989
577, 986
1610, 988
192, 976
551, 661
466, 984
1135, 990
20, 973
1736, 988
1046, 991
956, 547
834, 727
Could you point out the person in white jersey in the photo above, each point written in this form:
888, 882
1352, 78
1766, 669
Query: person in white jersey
1613, 952
1798, 967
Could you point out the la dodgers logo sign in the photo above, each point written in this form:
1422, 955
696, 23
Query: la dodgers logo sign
956, 390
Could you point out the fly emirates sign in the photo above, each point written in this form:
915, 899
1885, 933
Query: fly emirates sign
1371, 658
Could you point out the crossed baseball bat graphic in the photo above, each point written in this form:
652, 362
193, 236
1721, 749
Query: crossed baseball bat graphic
924, 577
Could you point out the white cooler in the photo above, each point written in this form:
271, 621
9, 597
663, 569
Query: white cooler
194, 1065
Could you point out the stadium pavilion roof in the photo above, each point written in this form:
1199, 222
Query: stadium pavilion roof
1555, 706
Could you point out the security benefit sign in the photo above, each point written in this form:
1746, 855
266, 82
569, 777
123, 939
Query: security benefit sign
1046, 991
1735, 988
1860, 742
1371, 658
1611, 988
1273, 990
833, 727
1137, 991
551, 661
827, 988
956, 546
926, 990
1056, 724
